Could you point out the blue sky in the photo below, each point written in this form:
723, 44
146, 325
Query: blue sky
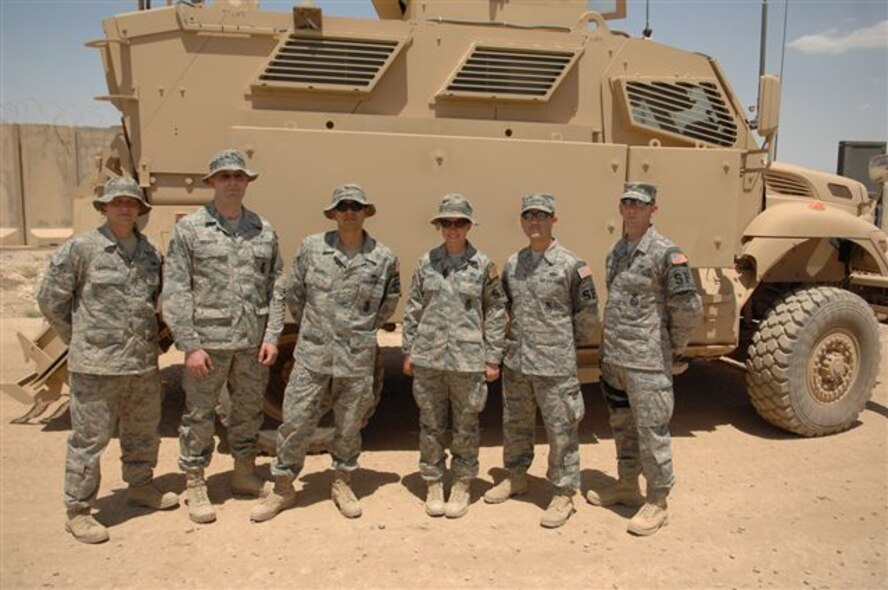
835, 68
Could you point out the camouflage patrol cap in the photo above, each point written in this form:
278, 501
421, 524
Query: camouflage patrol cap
454, 206
539, 201
229, 159
640, 191
122, 187
349, 192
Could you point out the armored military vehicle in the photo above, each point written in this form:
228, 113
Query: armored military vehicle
494, 99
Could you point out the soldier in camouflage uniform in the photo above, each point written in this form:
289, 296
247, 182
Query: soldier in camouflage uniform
652, 308
552, 308
454, 324
99, 294
342, 287
223, 302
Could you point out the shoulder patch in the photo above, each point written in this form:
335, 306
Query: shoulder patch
678, 258
584, 271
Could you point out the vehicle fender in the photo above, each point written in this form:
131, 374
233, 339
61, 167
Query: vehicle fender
814, 219
776, 231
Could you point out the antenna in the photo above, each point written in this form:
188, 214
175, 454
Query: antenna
647, 32
782, 58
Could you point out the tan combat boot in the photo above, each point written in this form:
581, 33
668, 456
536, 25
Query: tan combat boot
84, 527
344, 497
434, 504
149, 496
199, 508
458, 505
625, 492
649, 519
559, 510
244, 481
281, 498
513, 485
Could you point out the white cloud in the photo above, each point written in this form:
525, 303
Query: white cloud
834, 42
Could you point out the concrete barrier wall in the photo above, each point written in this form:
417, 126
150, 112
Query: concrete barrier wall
40, 167
12, 221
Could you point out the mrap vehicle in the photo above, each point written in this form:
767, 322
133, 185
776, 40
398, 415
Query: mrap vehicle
495, 99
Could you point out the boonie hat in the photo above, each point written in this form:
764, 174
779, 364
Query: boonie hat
640, 191
122, 186
454, 206
538, 201
229, 159
349, 192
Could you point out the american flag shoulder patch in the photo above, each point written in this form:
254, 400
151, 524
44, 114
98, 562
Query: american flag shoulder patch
584, 271
678, 258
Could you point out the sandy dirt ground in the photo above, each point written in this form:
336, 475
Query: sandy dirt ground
754, 507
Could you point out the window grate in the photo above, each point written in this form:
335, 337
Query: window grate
784, 183
328, 63
508, 73
693, 110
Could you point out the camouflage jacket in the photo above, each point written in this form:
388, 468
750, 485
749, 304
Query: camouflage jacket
223, 291
339, 303
552, 308
652, 304
455, 318
102, 304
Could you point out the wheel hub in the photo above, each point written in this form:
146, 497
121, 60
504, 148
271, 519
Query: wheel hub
833, 367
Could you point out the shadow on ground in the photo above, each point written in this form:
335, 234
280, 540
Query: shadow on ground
708, 395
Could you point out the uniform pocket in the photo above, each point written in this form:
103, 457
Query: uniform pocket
212, 317
104, 338
207, 251
319, 280
108, 278
362, 340
262, 257
572, 397
654, 408
478, 397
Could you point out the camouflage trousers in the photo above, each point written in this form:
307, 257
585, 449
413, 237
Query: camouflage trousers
246, 379
640, 404
98, 404
561, 406
310, 395
438, 394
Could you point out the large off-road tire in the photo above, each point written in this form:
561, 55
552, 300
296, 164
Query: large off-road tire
813, 362
279, 374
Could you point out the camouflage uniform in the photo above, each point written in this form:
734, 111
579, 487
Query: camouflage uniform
101, 302
339, 303
454, 324
223, 294
652, 308
552, 308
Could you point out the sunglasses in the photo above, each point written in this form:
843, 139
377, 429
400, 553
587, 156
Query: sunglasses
457, 223
535, 215
344, 206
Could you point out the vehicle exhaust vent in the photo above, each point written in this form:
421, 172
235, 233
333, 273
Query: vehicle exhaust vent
510, 74
329, 63
692, 110
787, 184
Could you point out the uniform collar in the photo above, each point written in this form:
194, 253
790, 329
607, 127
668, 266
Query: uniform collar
249, 222
112, 244
367, 253
331, 238
525, 257
440, 259
643, 243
